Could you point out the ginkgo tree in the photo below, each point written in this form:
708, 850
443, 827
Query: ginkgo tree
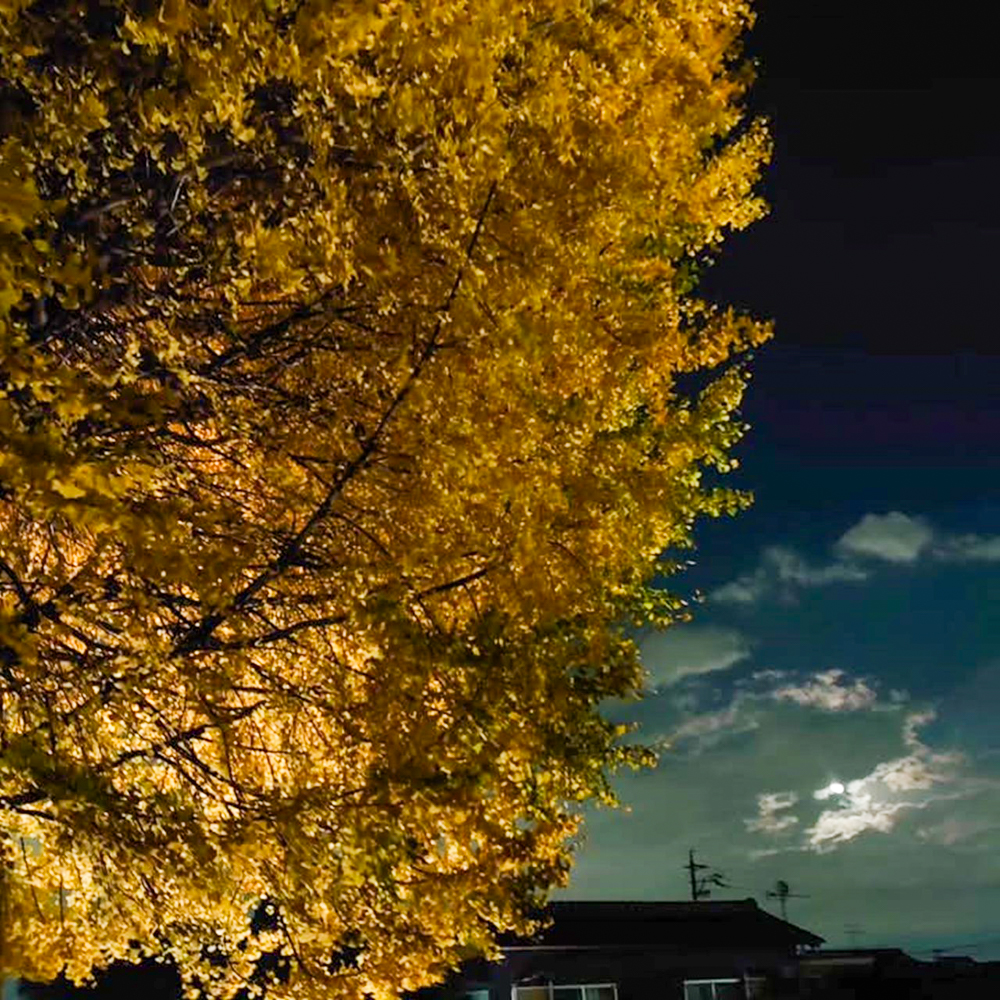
352, 382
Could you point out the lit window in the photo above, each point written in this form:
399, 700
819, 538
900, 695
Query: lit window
598, 993
575, 991
714, 989
531, 993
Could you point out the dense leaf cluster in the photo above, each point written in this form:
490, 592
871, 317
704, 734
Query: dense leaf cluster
340, 431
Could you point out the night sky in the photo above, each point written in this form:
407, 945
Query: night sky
832, 709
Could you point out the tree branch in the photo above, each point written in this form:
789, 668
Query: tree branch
199, 634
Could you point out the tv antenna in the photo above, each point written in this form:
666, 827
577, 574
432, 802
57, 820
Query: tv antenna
853, 932
700, 883
782, 893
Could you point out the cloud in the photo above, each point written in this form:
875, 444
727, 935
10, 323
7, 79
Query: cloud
954, 830
685, 650
767, 675
828, 692
968, 548
710, 728
782, 570
913, 722
893, 537
876, 801
899, 538
746, 589
837, 826
767, 820
790, 567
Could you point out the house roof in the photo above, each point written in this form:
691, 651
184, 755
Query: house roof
737, 923
844, 958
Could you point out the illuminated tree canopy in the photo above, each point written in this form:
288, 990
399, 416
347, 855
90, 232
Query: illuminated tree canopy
345, 364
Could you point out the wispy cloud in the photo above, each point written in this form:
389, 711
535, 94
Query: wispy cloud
829, 691
968, 548
861, 814
913, 723
876, 801
709, 728
954, 830
772, 815
782, 571
894, 538
789, 567
685, 650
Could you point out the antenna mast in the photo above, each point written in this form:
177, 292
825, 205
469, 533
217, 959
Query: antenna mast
782, 893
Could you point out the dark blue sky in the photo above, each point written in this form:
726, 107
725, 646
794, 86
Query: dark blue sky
831, 711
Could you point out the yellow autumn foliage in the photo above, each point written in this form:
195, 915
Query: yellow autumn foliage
352, 381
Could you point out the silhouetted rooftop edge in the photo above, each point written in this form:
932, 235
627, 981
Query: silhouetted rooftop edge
624, 923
